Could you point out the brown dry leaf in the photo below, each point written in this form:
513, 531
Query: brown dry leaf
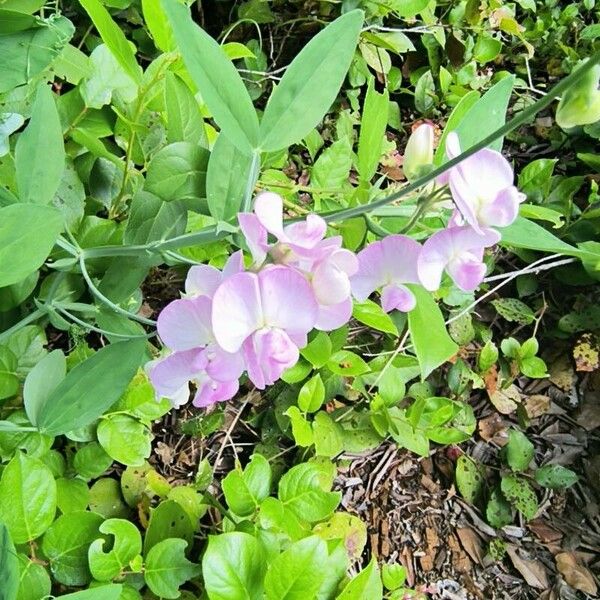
575, 574
165, 452
506, 401
537, 405
544, 531
471, 543
460, 560
533, 571
493, 429
562, 374
490, 379
432, 543
588, 415
586, 353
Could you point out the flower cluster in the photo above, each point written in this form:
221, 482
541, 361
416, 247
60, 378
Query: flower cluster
257, 319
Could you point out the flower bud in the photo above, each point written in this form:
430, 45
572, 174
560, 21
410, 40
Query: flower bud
418, 153
580, 104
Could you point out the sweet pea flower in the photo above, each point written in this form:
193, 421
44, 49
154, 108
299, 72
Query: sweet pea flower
266, 315
459, 252
203, 280
418, 152
387, 265
185, 328
482, 188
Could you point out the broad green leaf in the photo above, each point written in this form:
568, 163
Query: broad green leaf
41, 382
311, 395
166, 568
310, 84
372, 131
178, 172
227, 179
71, 495
301, 428
498, 511
392, 385
345, 527
34, 580
127, 544
514, 310
409, 8
91, 387
157, 23
393, 575
125, 439
555, 477
580, 104
486, 115
103, 592
297, 572
26, 54
371, 314
24, 6
27, 498
331, 169
9, 565
318, 350
245, 489
9, 380
349, 364
13, 295
234, 567
365, 586
9, 123
428, 333
91, 461
28, 345
217, 79
184, 121
66, 545
106, 499
469, 479
168, 520
301, 491
112, 35
520, 494
328, 435
27, 234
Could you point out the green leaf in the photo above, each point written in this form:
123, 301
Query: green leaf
27, 234
393, 576
184, 121
103, 592
9, 380
298, 571
310, 84
311, 395
430, 338
227, 179
392, 386
301, 491
66, 545
344, 362
580, 104
365, 586
425, 93
177, 172
71, 495
220, 84
535, 179
245, 490
91, 387
469, 479
34, 580
113, 36
410, 8
371, 314
91, 461
301, 428
318, 350
9, 565
168, 520
328, 435
234, 567
520, 494
127, 544
40, 151
41, 382
27, 498
514, 310
488, 113
105, 499
555, 477
498, 511
125, 439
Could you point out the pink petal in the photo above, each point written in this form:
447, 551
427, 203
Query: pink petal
185, 324
333, 316
268, 207
236, 310
202, 280
210, 392
288, 301
400, 254
170, 376
371, 274
452, 145
234, 264
397, 297
467, 271
434, 257
307, 233
503, 210
223, 366
256, 236
330, 284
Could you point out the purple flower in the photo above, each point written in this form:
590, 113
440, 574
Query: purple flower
387, 265
203, 280
482, 187
459, 252
268, 315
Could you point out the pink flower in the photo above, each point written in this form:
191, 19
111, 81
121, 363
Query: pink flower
459, 252
268, 315
482, 187
203, 280
387, 265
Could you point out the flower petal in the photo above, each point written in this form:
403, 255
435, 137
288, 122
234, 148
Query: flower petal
236, 310
170, 376
333, 316
210, 392
268, 207
185, 324
371, 274
397, 297
287, 299
467, 271
224, 366
307, 233
256, 236
400, 255
434, 257
202, 280
234, 264
503, 210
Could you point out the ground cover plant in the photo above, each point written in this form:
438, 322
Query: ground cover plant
299, 299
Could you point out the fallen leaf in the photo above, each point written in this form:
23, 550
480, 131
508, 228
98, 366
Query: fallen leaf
471, 543
506, 401
575, 574
544, 531
490, 379
537, 405
562, 374
493, 429
532, 570
586, 353
588, 415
